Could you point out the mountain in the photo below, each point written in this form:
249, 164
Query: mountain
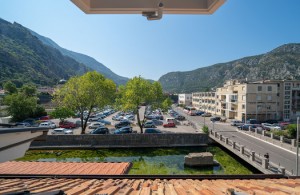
280, 63
24, 58
87, 60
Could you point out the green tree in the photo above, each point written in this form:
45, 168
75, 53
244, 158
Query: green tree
138, 91
20, 107
166, 104
62, 113
29, 90
156, 94
86, 92
10, 87
292, 130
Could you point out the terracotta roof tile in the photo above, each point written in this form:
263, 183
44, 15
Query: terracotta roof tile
63, 168
157, 186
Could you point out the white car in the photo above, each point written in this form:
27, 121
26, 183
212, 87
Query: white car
95, 125
271, 126
236, 123
48, 124
62, 131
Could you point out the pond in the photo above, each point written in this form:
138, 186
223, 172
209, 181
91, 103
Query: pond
165, 161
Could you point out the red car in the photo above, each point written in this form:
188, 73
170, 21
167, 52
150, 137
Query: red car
169, 125
67, 125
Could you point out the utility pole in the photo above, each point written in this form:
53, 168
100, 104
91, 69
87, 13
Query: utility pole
297, 143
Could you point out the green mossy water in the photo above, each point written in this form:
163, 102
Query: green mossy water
165, 161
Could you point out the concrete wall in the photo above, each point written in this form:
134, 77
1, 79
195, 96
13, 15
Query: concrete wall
126, 140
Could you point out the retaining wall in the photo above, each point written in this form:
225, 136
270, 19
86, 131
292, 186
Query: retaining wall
126, 140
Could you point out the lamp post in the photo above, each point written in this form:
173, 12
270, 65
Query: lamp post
297, 144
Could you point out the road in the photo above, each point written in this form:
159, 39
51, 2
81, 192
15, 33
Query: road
277, 154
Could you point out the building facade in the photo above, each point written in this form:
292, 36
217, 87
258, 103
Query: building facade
185, 99
205, 101
261, 100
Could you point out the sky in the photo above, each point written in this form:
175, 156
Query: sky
130, 45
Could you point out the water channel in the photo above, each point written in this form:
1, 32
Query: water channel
165, 161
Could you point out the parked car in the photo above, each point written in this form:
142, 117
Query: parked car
105, 122
216, 118
23, 124
246, 126
169, 124
117, 118
157, 122
95, 125
207, 114
252, 121
31, 121
271, 121
123, 130
44, 118
48, 124
180, 118
122, 124
62, 131
92, 119
199, 113
236, 123
152, 130
100, 130
149, 124
269, 126
67, 124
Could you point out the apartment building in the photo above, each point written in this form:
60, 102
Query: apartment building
205, 101
241, 99
185, 99
289, 98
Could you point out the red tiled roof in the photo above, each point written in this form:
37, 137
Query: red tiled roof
63, 168
153, 186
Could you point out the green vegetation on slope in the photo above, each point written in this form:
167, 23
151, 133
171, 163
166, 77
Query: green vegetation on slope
281, 63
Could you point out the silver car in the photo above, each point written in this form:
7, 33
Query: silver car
62, 131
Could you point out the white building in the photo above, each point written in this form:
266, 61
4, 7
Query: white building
185, 99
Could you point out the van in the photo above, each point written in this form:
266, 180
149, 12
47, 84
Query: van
170, 120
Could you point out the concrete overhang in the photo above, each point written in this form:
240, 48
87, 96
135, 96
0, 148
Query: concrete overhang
148, 7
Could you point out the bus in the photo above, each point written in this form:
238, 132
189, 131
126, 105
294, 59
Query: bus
190, 110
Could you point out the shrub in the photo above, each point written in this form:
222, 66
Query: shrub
205, 129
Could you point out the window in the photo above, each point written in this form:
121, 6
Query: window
269, 97
287, 97
286, 106
243, 106
269, 107
258, 97
287, 87
259, 107
269, 88
243, 88
287, 92
259, 88
243, 97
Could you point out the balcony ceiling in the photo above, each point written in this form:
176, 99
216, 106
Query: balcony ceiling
148, 6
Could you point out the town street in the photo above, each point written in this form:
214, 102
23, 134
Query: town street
277, 154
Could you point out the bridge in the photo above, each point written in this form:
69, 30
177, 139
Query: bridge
251, 146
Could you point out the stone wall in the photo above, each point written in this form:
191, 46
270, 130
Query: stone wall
126, 140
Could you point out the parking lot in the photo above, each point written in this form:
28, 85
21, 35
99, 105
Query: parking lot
181, 127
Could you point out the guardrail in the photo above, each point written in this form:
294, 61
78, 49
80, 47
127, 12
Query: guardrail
259, 162
281, 141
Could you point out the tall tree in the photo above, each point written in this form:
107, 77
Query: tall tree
138, 91
86, 92
10, 87
166, 104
